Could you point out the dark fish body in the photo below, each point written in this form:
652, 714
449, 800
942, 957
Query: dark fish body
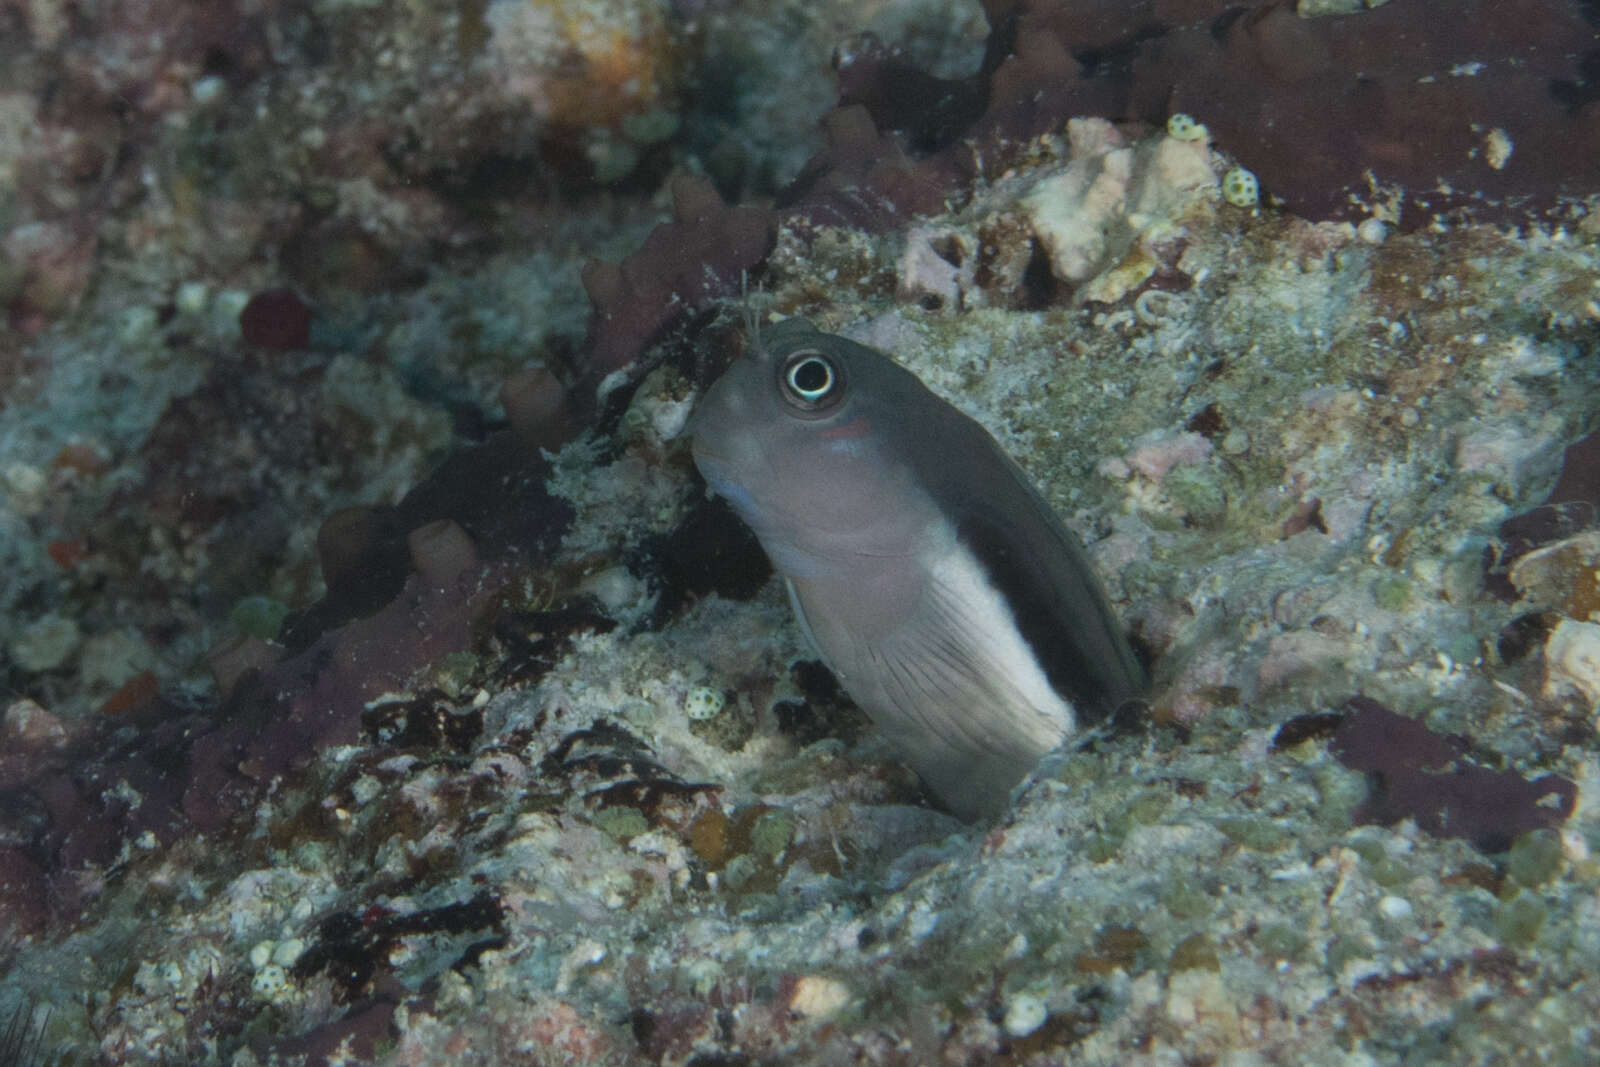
927, 573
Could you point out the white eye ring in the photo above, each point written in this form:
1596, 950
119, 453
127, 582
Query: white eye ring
810, 379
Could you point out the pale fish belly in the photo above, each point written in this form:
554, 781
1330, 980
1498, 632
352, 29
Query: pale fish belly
953, 684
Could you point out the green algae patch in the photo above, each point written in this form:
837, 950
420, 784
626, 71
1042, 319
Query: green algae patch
620, 824
1392, 593
1102, 848
1340, 791
1195, 953
1518, 921
1115, 948
1199, 493
1260, 835
1279, 942
1185, 901
1145, 809
259, 616
1391, 873
1344, 950
1535, 858
772, 833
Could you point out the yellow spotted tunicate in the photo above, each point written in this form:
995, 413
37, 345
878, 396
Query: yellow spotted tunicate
270, 982
1240, 188
704, 703
1181, 127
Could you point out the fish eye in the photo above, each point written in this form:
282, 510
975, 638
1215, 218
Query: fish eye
811, 381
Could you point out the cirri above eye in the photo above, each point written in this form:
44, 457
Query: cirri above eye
811, 380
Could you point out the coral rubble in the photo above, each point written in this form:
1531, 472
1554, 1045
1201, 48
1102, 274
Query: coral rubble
382, 686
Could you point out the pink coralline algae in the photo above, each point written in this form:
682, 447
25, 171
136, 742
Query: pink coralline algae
401, 598
276, 318
23, 892
315, 699
104, 80
684, 265
1393, 113
1422, 775
863, 178
1493, 109
1572, 507
55, 263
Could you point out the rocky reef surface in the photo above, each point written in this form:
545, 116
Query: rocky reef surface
383, 687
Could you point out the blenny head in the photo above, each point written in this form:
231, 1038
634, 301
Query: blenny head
792, 433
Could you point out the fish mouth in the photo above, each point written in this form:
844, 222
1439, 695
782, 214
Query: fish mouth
717, 472
708, 446
735, 493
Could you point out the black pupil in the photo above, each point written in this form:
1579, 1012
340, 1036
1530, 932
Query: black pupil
810, 376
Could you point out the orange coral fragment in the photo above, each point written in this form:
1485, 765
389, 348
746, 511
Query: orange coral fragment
605, 78
68, 552
83, 459
136, 694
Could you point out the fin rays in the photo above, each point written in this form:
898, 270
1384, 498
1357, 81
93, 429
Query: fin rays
960, 671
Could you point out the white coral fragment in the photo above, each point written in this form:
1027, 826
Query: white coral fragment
936, 270
1497, 148
1112, 199
1572, 661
